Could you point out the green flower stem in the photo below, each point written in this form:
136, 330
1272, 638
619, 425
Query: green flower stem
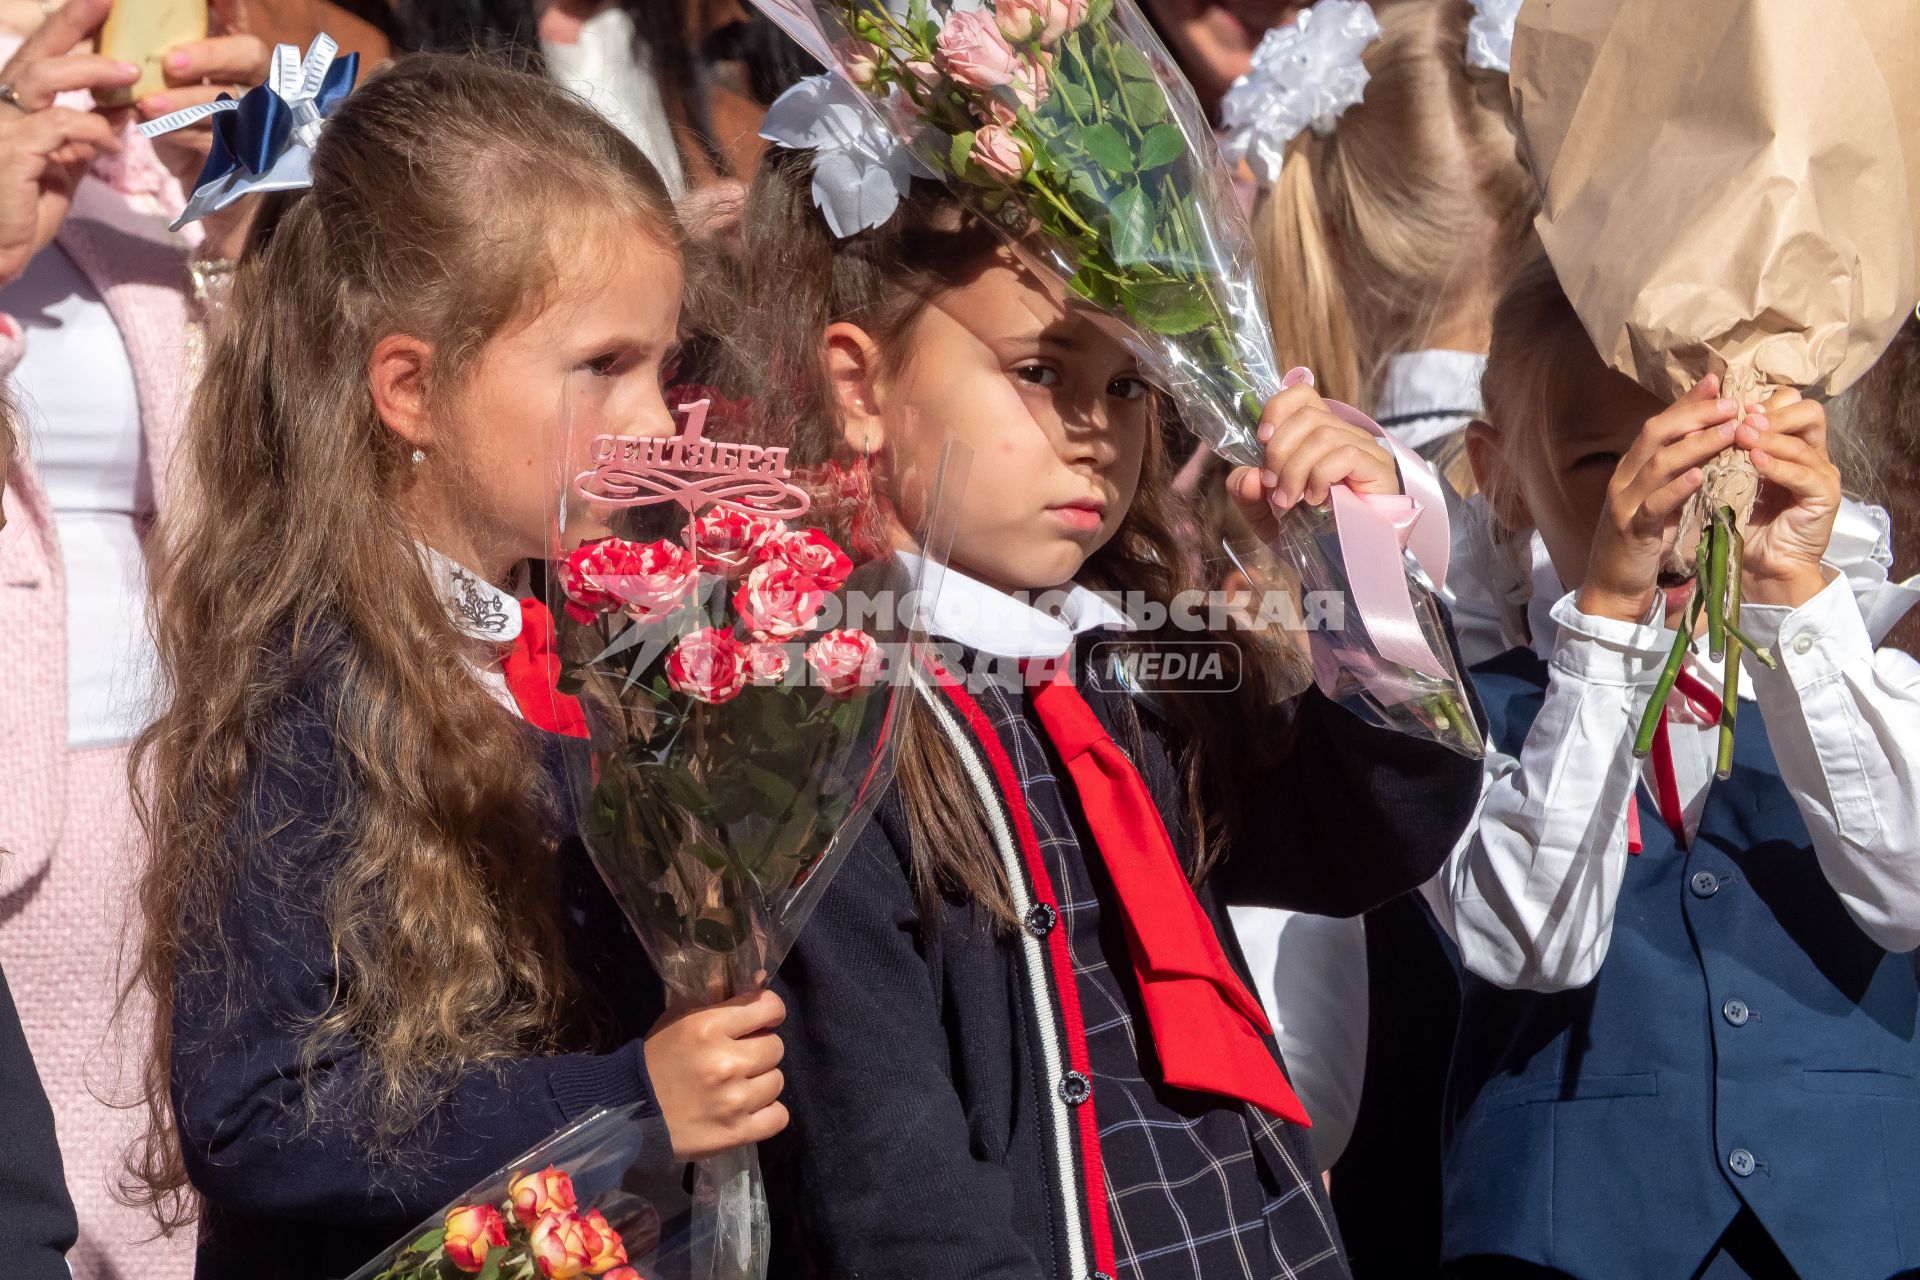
1682, 642
1716, 583
1730, 684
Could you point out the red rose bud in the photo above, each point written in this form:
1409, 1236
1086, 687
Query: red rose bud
656, 581
777, 601
533, 1194
845, 661
727, 540
583, 576
768, 663
473, 1231
812, 553
604, 1243
708, 664
560, 1245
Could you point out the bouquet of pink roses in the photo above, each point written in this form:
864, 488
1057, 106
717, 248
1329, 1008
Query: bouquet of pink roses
736, 630
1065, 125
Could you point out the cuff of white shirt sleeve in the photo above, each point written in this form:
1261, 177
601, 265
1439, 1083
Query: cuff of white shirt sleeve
1606, 650
1811, 643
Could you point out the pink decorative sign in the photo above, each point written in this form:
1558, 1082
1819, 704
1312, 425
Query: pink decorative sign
641, 471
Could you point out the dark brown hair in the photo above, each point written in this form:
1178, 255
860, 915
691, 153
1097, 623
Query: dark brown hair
447, 194
797, 280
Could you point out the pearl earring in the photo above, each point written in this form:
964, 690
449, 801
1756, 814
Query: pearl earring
419, 456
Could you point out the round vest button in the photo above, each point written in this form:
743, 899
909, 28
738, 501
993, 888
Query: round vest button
1705, 884
1075, 1088
1040, 919
1740, 1160
1736, 1012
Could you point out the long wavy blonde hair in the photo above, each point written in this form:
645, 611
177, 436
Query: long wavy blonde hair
445, 193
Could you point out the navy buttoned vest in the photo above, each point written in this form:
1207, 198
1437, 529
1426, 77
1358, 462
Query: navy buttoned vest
1744, 1044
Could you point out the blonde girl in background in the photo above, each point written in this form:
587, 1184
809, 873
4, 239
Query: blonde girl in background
1393, 203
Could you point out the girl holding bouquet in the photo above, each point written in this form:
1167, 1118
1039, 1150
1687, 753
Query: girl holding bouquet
1021, 1043
382, 966
1700, 1060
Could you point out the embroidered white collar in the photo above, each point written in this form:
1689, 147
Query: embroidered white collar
989, 620
478, 608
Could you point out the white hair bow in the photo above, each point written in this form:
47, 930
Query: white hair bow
264, 141
1305, 74
1490, 35
861, 171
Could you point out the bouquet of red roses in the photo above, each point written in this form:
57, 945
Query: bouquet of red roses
737, 631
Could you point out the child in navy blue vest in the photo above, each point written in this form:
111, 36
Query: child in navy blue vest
381, 965
1700, 1059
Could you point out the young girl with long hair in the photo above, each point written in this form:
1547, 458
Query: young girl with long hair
382, 965
1021, 1043
1690, 1031
1384, 240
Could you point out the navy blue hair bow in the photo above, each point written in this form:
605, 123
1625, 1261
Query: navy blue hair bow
264, 140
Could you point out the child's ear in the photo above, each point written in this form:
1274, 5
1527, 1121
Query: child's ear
1494, 479
397, 375
853, 375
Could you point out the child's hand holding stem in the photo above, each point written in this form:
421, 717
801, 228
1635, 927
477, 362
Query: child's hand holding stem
1649, 489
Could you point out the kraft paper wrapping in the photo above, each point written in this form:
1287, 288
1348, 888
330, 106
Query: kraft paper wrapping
1730, 185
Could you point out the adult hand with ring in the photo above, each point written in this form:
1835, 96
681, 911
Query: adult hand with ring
46, 149
199, 71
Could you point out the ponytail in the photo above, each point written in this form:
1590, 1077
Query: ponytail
1313, 322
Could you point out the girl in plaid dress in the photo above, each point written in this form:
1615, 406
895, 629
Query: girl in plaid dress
1020, 1044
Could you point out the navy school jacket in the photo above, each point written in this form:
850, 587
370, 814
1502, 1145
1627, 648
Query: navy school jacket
1745, 1044
931, 1136
288, 1200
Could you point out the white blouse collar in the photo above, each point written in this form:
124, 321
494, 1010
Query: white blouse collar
989, 620
478, 608
1428, 394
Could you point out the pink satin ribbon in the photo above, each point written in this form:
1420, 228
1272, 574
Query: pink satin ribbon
1374, 529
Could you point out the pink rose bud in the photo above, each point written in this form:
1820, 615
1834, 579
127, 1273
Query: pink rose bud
603, 1243
845, 661
777, 601
534, 1194
1063, 16
560, 1246
1042, 20
972, 51
622, 1273
1019, 19
859, 60
999, 154
473, 1231
708, 665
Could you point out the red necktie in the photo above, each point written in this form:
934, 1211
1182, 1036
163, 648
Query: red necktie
532, 668
1666, 784
1208, 1029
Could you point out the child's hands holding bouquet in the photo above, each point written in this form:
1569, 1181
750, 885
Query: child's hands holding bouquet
1308, 450
1656, 475
1792, 522
716, 1074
